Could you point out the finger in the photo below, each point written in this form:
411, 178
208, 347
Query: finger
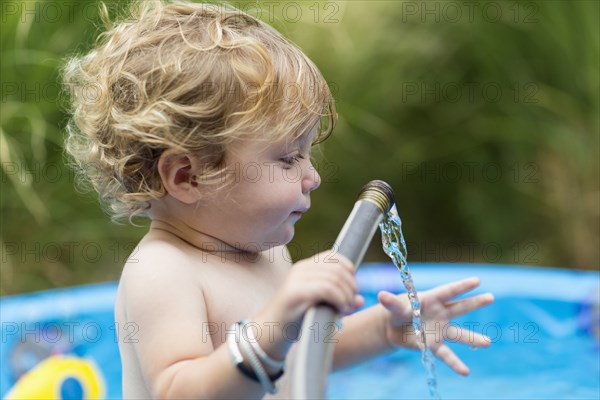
393, 303
451, 359
335, 274
344, 273
359, 301
337, 258
456, 334
345, 283
464, 306
343, 279
451, 290
331, 294
347, 274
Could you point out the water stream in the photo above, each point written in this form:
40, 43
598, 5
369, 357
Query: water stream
395, 247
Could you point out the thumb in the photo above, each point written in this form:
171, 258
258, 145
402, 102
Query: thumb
390, 301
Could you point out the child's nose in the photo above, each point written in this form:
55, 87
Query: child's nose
311, 180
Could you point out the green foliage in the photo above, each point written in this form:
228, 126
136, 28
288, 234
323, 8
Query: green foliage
485, 123
486, 126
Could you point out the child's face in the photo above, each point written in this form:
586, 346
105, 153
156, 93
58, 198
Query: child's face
273, 181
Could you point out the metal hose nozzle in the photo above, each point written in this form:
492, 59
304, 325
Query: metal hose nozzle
379, 193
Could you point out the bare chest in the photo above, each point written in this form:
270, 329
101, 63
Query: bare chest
233, 292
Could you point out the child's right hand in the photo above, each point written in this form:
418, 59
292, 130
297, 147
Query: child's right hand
324, 278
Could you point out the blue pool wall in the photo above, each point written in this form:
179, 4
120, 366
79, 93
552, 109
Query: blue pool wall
79, 320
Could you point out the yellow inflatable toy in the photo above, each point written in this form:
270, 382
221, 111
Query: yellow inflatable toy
60, 377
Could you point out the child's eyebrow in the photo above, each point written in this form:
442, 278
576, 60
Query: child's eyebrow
302, 141
298, 144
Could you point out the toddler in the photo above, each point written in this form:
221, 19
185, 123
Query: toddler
203, 120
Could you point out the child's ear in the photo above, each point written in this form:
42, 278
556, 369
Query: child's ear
177, 174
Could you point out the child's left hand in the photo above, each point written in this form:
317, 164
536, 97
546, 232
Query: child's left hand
437, 309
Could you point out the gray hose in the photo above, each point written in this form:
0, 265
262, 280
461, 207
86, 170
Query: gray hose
315, 348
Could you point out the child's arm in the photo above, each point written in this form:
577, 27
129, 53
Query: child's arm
174, 350
175, 353
388, 325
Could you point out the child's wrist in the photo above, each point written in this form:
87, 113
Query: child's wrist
394, 335
249, 358
385, 326
255, 335
270, 334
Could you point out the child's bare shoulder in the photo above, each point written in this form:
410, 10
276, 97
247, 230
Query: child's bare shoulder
163, 267
158, 254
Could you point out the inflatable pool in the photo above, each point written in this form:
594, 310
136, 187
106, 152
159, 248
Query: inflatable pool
544, 326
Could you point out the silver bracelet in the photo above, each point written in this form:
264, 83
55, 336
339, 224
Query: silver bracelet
236, 355
256, 365
263, 357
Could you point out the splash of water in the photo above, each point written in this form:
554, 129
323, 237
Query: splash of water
395, 247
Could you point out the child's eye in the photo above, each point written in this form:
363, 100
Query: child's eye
291, 160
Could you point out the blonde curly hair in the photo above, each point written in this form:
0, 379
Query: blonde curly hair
191, 77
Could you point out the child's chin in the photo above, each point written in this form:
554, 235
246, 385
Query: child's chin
288, 235
270, 243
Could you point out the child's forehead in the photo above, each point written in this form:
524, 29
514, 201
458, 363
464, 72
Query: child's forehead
300, 138
265, 145
304, 140
257, 145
